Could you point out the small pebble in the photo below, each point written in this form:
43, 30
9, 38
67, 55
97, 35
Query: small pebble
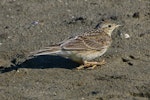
35, 23
127, 36
113, 17
136, 15
9, 37
18, 71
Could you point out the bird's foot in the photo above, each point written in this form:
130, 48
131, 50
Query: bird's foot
91, 65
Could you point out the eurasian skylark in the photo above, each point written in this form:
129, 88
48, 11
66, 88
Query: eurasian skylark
84, 48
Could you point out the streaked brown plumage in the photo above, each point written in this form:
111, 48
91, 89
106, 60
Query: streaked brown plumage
84, 48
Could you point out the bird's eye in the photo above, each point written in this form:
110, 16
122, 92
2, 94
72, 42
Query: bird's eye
109, 25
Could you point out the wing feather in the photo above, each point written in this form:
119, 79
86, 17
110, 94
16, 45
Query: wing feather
74, 44
85, 43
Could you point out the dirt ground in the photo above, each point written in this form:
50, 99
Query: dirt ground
29, 25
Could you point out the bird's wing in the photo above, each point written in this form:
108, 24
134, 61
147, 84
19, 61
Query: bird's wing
84, 43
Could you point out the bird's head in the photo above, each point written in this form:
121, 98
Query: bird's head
108, 27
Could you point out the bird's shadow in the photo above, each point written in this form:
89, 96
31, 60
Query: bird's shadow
43, 62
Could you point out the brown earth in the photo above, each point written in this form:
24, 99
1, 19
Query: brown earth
30, 25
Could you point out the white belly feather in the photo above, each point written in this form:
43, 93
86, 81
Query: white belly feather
80, 56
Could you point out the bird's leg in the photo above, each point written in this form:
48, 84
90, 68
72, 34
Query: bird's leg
91, 65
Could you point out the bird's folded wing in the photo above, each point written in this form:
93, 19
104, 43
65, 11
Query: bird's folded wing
82, 43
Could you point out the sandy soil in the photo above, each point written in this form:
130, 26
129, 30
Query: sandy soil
30, 25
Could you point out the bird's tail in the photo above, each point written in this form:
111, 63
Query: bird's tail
54, 50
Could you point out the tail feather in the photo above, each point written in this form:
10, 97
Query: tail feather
47, 51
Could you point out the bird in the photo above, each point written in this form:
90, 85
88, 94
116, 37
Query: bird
84, 48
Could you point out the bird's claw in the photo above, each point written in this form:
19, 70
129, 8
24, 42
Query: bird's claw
91, 65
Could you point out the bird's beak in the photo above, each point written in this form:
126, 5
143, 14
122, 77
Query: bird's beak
118, 25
